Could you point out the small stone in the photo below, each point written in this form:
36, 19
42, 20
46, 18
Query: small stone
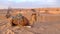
28, 26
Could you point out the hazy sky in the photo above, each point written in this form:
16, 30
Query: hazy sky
29, 3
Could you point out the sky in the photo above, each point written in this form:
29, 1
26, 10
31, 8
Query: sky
29, 3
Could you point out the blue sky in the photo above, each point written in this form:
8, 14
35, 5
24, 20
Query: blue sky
29, 3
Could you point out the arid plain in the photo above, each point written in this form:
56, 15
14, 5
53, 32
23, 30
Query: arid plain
47, 21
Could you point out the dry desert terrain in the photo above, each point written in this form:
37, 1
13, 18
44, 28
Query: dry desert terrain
47, 21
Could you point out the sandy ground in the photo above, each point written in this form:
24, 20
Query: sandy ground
38, 28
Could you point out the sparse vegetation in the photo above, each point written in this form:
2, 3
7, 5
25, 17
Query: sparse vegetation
8, 13
50, 24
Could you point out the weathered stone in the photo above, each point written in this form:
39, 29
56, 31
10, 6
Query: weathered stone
20, 20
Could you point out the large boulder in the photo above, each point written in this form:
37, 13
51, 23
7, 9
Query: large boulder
19, 19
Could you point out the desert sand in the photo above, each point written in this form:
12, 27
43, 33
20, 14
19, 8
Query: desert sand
47, 22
